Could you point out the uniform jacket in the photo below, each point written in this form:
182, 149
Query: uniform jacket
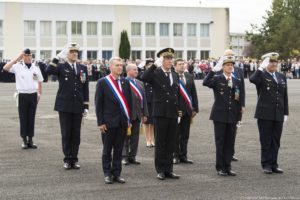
73, 92
108, 110
272, 101
226, 108
191, 90
165, 96
136, 111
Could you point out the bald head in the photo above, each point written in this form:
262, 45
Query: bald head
131, 70
228, 52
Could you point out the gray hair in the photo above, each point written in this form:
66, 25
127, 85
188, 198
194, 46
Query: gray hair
113, 59
130, 66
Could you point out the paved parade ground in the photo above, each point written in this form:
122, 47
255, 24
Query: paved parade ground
39, 174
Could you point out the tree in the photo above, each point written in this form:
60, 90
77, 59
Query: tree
124, 48
280, 30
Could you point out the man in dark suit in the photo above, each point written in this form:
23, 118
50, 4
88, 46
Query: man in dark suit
188, 105
72, 101
139, 112
113, 102
225, 112
165, 85
271, 111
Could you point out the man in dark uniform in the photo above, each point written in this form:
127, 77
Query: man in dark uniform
165, 85
139, 113
188, 105
225, 112
113, 108
72, 101
271, 111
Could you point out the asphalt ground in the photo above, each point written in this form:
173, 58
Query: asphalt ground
39, 174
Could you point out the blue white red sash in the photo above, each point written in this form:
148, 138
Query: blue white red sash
113, 85
137, 91
185, 95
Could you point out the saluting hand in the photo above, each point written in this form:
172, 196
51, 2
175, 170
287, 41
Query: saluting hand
103, 128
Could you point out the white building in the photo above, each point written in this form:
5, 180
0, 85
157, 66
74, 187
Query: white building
45, 28
238, 43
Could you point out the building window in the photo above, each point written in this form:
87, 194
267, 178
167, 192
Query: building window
191, 55
178, 54
1, 27
164, 29
91, 55
204, 55
135, 55
106, 55
91, 28
177, 29
45, 28
136, 28
61, 28
204, 30
150, 54
76, 28
45, 54
33, 53
29, 28
106, 28
191, 29
150, 29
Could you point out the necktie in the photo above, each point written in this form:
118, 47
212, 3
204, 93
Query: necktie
168, 76
73, 67
181, 78
274, 76
119, 84
229, 81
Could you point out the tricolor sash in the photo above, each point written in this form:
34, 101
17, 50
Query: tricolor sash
137, 91
185, 95
114, 87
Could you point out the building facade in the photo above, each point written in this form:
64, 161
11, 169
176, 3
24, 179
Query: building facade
238, 43
194, 32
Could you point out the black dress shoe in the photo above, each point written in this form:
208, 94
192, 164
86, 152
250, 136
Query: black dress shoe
222, 173
161, 176
187, 161
76, 165
67, 166
231, 173
172, 175
175, 160
125, 161
133, 161
108, 180
277, 170
234, 158
24, 145
31, 145
267, 171
119, 179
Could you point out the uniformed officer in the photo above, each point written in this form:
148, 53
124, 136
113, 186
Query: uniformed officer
271, 110
29, 86
188, 105
225, 112
113, 110
165, 85
72, 101
238, 73
139, 113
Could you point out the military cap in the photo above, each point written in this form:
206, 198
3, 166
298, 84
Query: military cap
73, 47
27, 51
149, 60
228, 59
167, 52
273, 56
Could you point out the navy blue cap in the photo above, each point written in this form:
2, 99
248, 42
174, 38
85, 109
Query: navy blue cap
27, 51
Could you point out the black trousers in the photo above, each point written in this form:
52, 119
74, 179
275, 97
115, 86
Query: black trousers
113, 139
182, 137
224, 139
70, 125
165, 136
269, 135
27, 109
131, 142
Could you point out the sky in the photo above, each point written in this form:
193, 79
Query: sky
242, 12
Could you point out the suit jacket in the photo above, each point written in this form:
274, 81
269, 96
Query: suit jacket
226, 107
165, 96
136, 111
272, 97
73, 92
108, 109
192, 92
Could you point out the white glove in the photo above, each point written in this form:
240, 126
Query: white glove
158, 62
63, 54
85, 112
285, 118
218, 66
264, 64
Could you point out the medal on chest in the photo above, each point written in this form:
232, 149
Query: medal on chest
82, 76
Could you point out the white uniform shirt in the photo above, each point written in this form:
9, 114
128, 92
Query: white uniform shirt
26, 79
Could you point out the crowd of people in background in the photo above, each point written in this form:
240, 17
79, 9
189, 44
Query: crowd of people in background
198, 68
